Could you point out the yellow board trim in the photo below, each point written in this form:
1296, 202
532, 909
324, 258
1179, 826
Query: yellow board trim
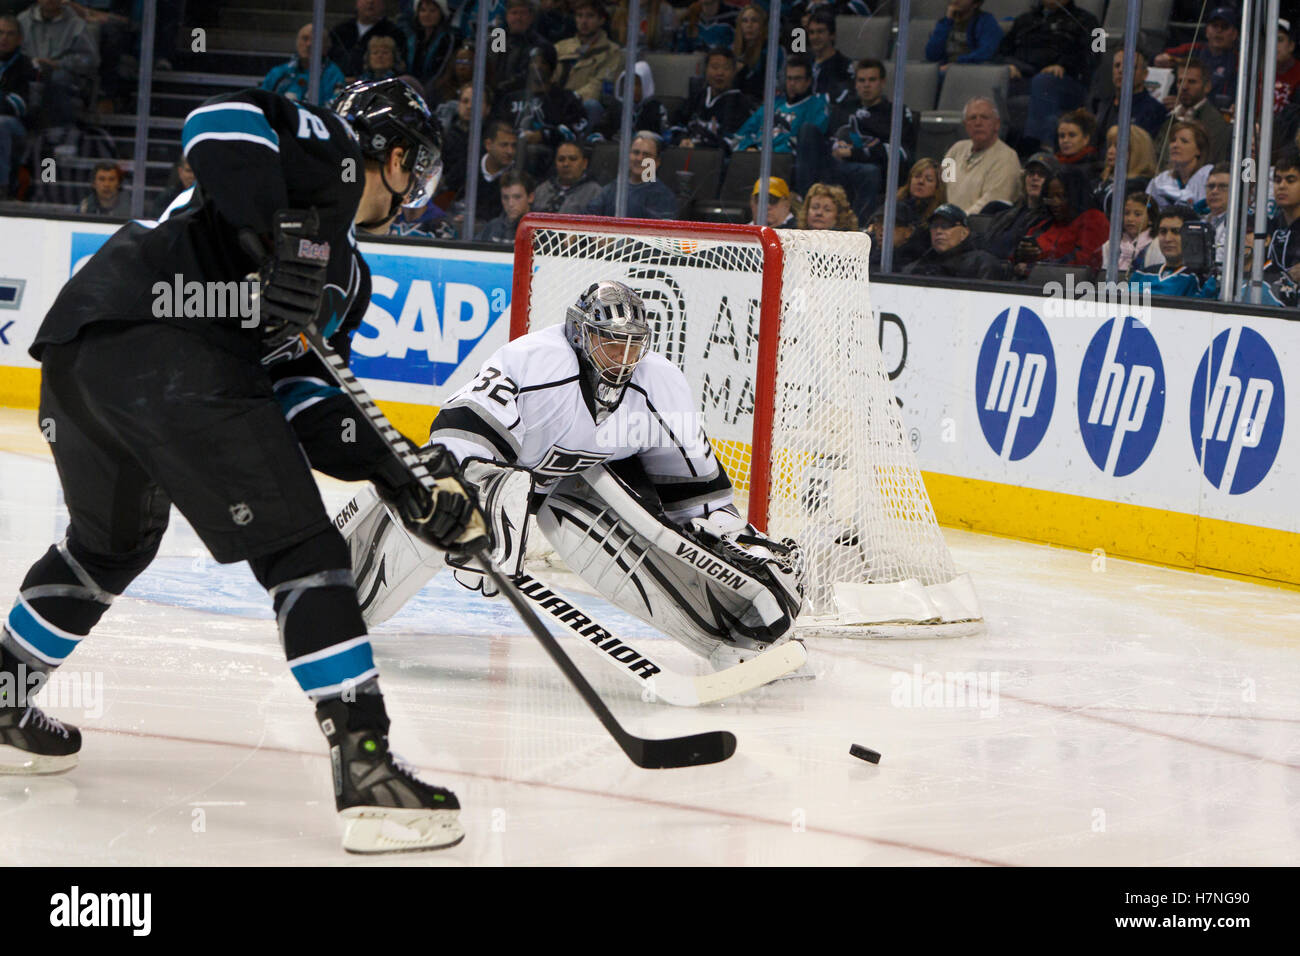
1122, 530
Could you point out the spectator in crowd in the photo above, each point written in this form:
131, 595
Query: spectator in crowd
430, 43
65, 56
1282, 254
647, 113
17, 74
925, 191
107, 198
517, 191
1141, 165
181, 179
1147, 111
1287, 78
500, 145
292, 79
1218, 51
658, 25
571, 190
544, 114
715, 110
1074, 135
832, 71
1191, 104
1137, 246
554, 21
860, 148
910, 242
381, 61
966, 34
750, 47
781, 210
1048, 51
347, 46
706, 24
1216, 201
423, 222
827, 207
464, 19
1171, 277
801, 118
114, 34
511, 64
455, 138
1183, 180
590, 59
1028, 215
986, 168
647, 197
953, 253
462, 72
1075, 230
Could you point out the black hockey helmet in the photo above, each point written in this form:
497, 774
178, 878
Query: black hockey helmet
388, 113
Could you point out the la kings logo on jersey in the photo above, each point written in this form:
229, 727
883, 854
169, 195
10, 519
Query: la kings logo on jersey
560, 461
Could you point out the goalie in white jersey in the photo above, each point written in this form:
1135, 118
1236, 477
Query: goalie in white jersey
602, 438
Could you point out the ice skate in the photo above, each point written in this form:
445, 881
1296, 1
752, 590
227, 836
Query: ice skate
32, 742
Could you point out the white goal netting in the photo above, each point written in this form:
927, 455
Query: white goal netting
834, 469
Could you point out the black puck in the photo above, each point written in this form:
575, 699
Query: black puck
864, 753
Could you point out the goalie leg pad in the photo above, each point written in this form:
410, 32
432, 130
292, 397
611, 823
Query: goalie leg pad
390, 565
643, 564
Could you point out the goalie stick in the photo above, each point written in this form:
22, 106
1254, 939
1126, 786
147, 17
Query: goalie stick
652, 754
682, 690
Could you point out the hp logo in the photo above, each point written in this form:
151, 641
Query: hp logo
1015, 383
1237, 427
1121, 396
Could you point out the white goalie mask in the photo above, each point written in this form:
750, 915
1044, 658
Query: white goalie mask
607, 327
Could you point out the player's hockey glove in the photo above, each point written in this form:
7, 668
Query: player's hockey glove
291, 278
449, 518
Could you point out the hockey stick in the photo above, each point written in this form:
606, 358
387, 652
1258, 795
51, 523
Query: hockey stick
653, 754
629, 660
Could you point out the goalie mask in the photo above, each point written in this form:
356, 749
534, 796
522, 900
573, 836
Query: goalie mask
607, 327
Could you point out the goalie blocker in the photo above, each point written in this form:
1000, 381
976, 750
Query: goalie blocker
717, 586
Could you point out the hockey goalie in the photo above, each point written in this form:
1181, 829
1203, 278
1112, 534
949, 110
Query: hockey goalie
585, 427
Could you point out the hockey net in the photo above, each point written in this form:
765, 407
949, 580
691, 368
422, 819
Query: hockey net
775, 332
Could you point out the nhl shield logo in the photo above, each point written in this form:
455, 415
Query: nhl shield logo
241, 514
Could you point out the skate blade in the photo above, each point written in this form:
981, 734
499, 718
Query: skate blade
15, 761
394, 830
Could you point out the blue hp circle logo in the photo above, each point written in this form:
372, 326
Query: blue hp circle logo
1237, 433
1121, 396
1015, 383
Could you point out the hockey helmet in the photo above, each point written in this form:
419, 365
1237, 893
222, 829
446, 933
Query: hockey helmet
388, 113
608, 329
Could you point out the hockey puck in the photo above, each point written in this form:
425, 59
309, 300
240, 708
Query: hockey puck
864, 753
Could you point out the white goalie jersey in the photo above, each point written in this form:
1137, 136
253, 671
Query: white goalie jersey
530, 406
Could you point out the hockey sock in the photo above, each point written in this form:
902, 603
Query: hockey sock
320, 623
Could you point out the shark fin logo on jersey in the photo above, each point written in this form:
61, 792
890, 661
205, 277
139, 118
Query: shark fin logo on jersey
1121, 396
560, 461
1015, 383
1237, 426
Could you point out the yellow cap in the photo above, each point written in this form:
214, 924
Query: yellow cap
776, 187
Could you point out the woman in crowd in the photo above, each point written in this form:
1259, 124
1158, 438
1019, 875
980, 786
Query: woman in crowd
1074, 132
750, 47
827, 207
381, 61
658, 25
430, 43
925, 191
1138, 250
1075, 231
181, 179
460, 72
1184, 180
1007, 227
1141, 165
706, 24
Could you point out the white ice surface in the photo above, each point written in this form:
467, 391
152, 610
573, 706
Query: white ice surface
1142, 716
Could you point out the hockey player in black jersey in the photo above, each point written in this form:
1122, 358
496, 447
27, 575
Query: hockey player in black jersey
159, 388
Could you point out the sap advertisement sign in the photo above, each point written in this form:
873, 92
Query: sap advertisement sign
428, 313
1182, 410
